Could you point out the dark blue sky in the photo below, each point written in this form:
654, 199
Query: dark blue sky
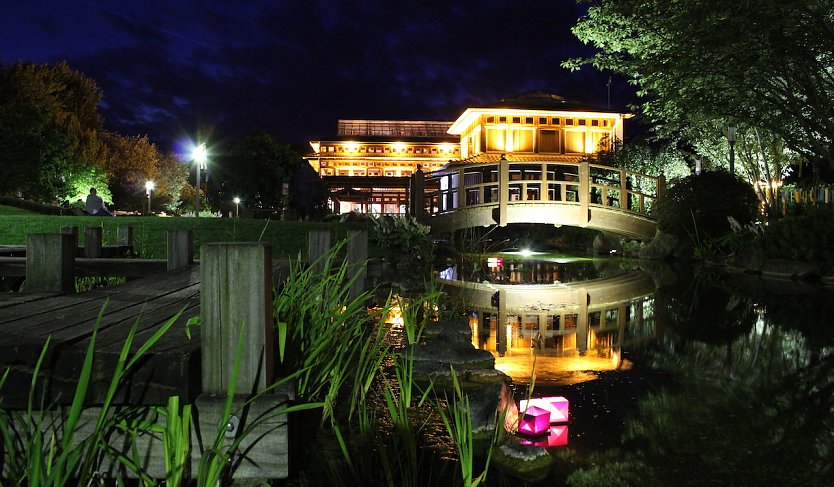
292, 68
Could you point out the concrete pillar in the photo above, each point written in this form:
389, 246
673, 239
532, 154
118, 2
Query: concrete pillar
461, 191
180, 249
584, 192
235, 298
582, 322
503, 190
92, 242
501, 326
50, 263
418, 196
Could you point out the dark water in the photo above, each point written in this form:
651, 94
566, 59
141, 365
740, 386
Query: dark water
711, 379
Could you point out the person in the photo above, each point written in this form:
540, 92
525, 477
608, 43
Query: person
450, 272
95, 205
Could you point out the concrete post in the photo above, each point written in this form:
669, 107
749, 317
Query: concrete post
180, 249
50, 263
418, 196
124, 237
92, 242
357, 256
235, 298
318, 244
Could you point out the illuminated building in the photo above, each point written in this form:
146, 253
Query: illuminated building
367, 165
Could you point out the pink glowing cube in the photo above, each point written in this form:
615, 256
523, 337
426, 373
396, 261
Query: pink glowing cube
534, 421
557, 436
557, 406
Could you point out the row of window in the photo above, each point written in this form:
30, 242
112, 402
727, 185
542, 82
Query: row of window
395, 148
369, 172
568, 121
542, 140
377, 164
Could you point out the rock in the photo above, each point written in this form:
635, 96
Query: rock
790, 269
488, 403
526, 462
607, 244
665, 245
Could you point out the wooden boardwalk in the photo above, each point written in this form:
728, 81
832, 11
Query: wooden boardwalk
172, 367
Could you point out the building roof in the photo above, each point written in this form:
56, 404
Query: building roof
435, 139
394, 128
540, 100
486, 157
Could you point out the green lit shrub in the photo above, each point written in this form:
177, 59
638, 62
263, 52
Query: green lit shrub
808, 236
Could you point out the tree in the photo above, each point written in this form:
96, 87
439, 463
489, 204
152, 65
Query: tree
131, 162
765, 64
256, 168
172, 177
49, 128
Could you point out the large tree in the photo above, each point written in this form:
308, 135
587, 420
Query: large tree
767, 64
49, 129
255, 169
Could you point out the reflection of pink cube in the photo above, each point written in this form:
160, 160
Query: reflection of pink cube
557, 406
557, 436
534, 421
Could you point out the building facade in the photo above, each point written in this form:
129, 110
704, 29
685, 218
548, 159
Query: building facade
367, 166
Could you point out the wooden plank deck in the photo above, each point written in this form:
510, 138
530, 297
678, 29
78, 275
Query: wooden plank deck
172, 367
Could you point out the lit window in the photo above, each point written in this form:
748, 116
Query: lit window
516, 119
502, 119
568, 121
594, 123
542, 120
582, 121
490, 119
574, 141
556, 121
528, 120
523, 140
496, 139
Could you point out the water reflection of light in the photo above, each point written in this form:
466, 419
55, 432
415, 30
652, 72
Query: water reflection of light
556, 370
557, 436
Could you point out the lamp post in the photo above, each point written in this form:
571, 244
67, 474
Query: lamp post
731, 138
199, 156
237, 207
148, 188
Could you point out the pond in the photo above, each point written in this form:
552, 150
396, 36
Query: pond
673, 375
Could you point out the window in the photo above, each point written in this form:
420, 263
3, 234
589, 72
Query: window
490, 119
374, 172
605, 123
556, 121
516, 119
502, 119
496, 139
594, 123
574, 141
528, 120
542, 120
582, 121
568, 121
548, 141
523, 140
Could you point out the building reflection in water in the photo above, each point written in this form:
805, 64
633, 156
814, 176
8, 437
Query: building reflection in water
565, 331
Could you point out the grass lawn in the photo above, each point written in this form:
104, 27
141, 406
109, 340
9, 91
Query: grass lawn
11, 210
149, 233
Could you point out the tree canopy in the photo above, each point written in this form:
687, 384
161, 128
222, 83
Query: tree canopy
767, 64
255, 169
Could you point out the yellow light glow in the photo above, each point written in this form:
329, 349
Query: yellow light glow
398, 147
448, 148
351, 147
509, 335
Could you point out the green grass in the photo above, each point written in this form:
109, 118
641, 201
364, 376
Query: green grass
11, 210
149, 233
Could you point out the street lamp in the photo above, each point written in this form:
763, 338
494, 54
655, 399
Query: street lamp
199, 156
237, 207
148, 189
731, 138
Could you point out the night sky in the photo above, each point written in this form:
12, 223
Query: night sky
292, 68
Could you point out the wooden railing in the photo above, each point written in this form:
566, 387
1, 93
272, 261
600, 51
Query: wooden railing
508, 183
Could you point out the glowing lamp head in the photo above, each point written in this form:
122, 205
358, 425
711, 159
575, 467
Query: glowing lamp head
148, 187
200, 155
535, 421
236, 200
